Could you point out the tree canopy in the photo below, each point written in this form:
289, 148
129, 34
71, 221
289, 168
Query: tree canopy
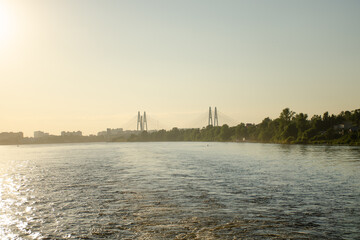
289, 127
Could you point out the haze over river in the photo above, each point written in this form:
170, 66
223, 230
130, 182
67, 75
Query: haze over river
179, 190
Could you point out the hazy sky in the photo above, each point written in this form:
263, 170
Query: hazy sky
88, 65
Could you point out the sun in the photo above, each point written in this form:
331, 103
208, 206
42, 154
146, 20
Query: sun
5, 23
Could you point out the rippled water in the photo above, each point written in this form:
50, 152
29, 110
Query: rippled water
179, 191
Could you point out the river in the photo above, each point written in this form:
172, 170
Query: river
179, 190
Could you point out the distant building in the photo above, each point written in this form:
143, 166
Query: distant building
354, 129
116, 131
10, 137
40, 134
346, 126
103, 133
111, 132
343, 126
71, 134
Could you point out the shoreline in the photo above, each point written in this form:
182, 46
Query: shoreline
304, 144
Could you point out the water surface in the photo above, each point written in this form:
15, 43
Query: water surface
179, 191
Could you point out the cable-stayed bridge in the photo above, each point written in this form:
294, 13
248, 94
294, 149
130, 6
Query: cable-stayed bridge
144, 121
213, 118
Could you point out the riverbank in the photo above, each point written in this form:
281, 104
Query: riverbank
288, 128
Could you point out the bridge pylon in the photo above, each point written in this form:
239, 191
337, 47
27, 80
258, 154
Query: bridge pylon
141, 122
210, 118
138, 122
216, 120
210, 121
145, 126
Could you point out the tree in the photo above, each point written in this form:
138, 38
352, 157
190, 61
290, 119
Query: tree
290, 131
241, 132
225, 133
266, 130
286, 115
301, 122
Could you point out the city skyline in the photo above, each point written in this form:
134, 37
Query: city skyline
91, 65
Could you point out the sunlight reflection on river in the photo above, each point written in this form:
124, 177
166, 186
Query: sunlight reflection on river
179, 190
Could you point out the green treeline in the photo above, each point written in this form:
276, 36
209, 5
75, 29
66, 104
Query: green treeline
289, 127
